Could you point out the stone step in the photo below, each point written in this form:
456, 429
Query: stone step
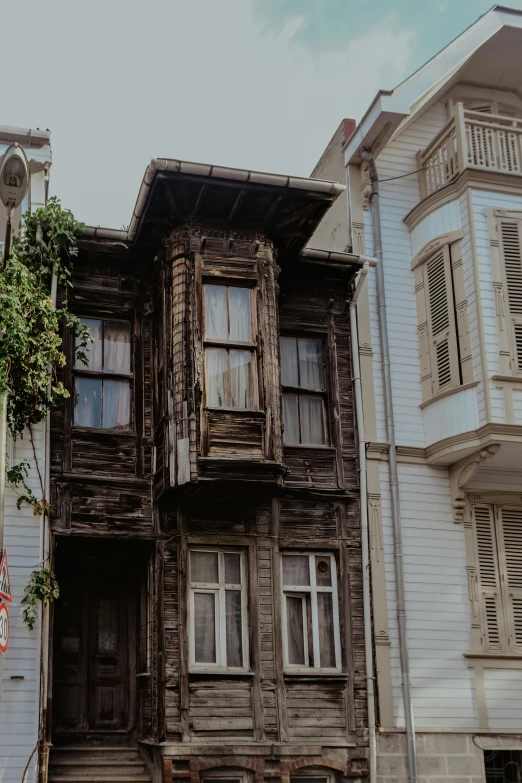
95, 766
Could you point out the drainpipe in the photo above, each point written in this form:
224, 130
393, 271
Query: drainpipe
393, 473
365, 543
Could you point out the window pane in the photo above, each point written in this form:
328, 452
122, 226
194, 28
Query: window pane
94, 350
323, 571
216, 377
117, 348
232, 569
239, 309
311, 374
240, 386
87, 402
205, 627
233, 628
312, 420
295, 630
326, 630
289, 373
107, 625
290, 419
296, 570
116, 405
216, 321
204, 567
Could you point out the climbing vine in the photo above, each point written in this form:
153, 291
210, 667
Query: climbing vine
31, 352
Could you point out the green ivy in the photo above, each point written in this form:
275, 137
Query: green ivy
42, 587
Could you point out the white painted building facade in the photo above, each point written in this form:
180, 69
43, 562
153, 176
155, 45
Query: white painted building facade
452, 260
21, 679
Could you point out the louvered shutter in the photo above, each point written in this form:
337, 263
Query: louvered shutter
441, 322
512, 255
488, 578
510, 550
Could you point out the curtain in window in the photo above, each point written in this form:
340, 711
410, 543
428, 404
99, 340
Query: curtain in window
295, 630
117, 348
116, 405
241, 395
93, 351
310, 364
234, 639
216, 377
296, 570
326, 630
87, 402
289, 371
216, 321
290, 418
312, 422
205, 627
204, 567
239, 307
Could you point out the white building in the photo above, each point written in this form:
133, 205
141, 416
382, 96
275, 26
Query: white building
21, 680
447, 146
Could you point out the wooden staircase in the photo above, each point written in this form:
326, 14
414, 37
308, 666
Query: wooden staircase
97, 764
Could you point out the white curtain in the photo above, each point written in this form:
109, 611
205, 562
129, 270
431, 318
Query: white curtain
116, 405
93, 350
232, 569
234, 640
326, 629
296, 570
295, 630
87, 402
204, 567
240, 386
216, 321
205, 627
216, 377
289, 373
239, 307
311, 374
116, 348
290, 419
312, 420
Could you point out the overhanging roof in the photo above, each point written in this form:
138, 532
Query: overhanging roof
174, 192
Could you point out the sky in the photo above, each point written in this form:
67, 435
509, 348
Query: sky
256, 84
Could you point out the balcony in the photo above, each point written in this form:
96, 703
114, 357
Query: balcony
470, 140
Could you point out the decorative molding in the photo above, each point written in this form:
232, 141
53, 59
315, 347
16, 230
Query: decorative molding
434, 244
375, 527
358, 238
448, 393
462, 472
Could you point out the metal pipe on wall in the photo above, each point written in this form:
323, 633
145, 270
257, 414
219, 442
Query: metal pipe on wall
393, 471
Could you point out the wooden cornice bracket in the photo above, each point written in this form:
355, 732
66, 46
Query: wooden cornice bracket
462, 472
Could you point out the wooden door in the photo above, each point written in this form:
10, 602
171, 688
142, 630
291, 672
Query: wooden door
91, 659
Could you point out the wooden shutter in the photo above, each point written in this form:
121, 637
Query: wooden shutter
512, 254
510, 550
489, 579
441, 322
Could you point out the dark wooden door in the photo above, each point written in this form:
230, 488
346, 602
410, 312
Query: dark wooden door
91, 658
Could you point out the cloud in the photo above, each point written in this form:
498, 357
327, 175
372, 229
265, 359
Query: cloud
119, 83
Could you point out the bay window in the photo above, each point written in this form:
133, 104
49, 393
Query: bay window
310, 612
229, 347
217, 610
304, 391
102, 388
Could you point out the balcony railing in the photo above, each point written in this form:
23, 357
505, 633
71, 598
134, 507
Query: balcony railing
487, 142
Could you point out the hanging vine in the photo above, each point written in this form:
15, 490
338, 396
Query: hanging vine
31, 352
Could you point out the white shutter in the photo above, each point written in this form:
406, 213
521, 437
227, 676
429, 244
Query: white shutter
489, 582
510, 549
512, 255
441, 321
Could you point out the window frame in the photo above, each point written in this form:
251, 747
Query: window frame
311, 590
312, 772
301, 391
84, 372
230, 345
220, 613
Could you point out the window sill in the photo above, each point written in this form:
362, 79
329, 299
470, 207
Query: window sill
101, 431
507, 378
322, 674
243, 411
218, 672
307, 447
494, 660
448, 392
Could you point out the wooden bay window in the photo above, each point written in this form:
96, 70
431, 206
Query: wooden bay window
230, 372
304, 391
102, 388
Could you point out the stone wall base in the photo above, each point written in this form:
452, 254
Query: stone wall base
441, 758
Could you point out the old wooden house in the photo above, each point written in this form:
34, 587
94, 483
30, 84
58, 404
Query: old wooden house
205, 494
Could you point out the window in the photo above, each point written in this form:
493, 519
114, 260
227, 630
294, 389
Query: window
498, 553
443, 331
218, 627
503, 766
310, 613
102, 389
509, 231
304, 393
310, 775
229, 347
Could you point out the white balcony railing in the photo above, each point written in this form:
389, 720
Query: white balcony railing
487, 142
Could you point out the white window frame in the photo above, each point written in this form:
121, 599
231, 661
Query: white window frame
218, 589
312, 772
239, 775
303, 591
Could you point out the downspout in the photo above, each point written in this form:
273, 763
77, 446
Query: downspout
393, 473
365, 543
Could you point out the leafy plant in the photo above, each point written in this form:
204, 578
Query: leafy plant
42, 587
16, 478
